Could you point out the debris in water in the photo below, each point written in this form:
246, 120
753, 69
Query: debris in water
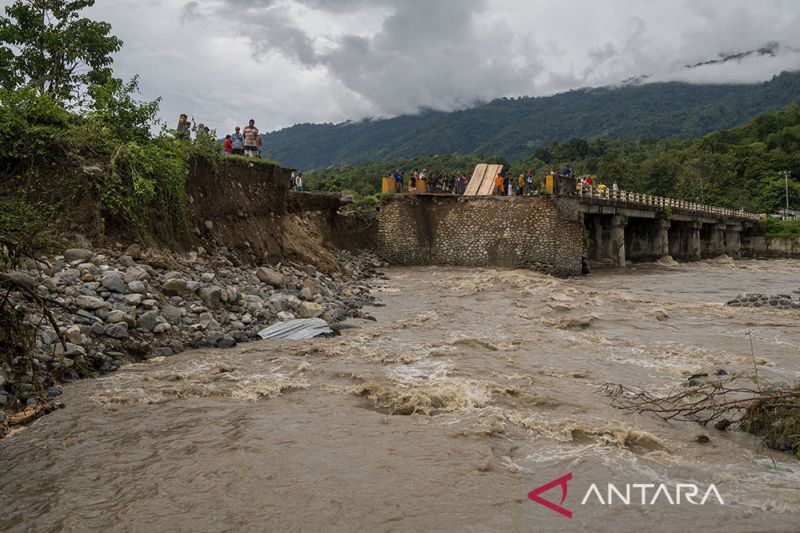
296, 330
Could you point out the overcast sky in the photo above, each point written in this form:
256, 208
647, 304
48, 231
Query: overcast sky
288, 61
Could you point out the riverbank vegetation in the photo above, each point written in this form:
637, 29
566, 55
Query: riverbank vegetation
79, 150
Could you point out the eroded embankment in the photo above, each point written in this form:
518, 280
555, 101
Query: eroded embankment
257, 254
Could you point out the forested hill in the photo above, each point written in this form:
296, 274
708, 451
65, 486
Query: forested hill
514, 128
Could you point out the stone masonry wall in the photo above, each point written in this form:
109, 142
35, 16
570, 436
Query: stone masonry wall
540, 233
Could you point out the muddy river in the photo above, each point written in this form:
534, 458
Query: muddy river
473, 388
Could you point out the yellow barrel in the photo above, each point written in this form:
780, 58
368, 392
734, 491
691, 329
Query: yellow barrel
548, 183
389, 186
422, 186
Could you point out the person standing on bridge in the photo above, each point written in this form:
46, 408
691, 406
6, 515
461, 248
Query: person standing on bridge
498, 185
521, 185
412, 182
398, 181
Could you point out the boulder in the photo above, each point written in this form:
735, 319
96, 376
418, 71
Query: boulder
270, 277
113, 281
147, 321
78, 254
22, 279
163, 327
115, 316
211, 296
135, 273
174, 287
172, 313
117, 331
309, 310
137, 287
73, 334
89, 302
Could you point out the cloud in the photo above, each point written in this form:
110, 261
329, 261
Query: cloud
289, 61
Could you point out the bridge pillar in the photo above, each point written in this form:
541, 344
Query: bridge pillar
712, 240
661, 244
733, 240
617, 241
693, 245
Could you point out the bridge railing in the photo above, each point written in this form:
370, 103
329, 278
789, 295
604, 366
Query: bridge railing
660, 202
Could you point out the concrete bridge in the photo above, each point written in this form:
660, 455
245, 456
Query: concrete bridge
624, 226
553, 233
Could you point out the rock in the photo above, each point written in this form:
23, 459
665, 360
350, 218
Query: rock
147, 321
211, 296
174, 287
73, 334
335, 315
226, 341
209, 225
133, 299
89, 302
135, 274
702, 439
134, 250
283, 316
207, 321
309, 310
113, 281
115, 316
22, 279
312, 286
311, 270
117, 331
53, 392
3, 378
126, 261
723, 424
172, 314
77, 254
207, 277
137, 287
270, 277
305, 294
163, 327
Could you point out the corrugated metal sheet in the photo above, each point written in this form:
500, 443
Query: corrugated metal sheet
296, 330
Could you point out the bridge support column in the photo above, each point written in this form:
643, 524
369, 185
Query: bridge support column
693, 244
733, 241
717, 244
617, 241
661, 244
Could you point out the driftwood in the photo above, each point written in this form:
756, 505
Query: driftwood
28, 415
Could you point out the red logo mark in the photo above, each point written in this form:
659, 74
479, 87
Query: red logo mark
562, 481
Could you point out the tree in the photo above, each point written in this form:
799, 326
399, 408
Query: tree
46, 44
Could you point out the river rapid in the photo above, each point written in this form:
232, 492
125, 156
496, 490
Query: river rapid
474, 387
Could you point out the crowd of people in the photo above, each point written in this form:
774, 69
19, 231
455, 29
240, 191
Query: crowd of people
421, 181
245, 142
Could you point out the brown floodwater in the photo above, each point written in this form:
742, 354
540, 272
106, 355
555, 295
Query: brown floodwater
474, 387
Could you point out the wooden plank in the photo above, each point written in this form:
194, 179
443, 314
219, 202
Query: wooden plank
482, 182
487, 187
475, 182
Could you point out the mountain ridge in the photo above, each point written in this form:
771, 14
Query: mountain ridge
516, 127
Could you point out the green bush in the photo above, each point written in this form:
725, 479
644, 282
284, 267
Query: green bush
773, 227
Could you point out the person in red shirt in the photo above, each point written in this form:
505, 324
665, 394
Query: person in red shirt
227, 145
